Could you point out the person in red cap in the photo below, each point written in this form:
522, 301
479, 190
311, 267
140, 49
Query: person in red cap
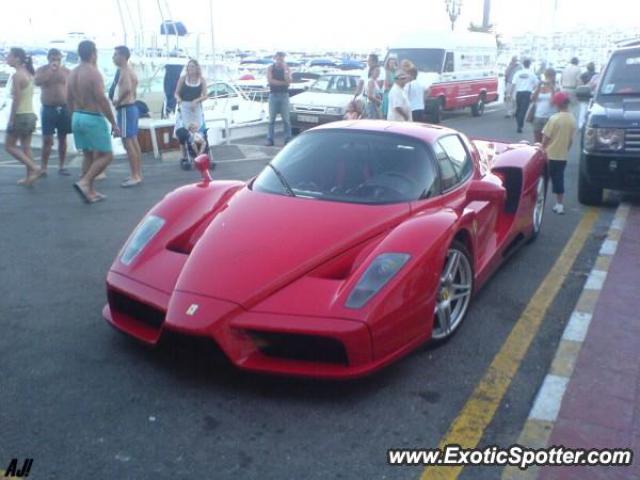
557, 137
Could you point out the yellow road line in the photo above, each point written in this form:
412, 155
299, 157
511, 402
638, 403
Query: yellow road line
468, 427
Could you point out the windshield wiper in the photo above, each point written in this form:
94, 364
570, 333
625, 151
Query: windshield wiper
283, 181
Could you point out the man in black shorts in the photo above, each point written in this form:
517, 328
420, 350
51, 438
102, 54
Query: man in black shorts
55, 115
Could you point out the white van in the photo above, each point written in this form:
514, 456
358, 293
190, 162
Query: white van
459, 69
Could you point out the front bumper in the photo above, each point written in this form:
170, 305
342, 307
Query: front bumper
304, 121
615, 171
331, 348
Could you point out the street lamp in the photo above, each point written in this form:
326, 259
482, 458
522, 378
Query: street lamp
453, 9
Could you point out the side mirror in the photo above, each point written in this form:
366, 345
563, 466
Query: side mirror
485, 191
202, 164
583, 93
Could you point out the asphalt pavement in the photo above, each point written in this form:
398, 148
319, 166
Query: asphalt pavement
85, 402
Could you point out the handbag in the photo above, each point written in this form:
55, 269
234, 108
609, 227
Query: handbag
531, 113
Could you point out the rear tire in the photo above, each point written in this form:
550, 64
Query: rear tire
587, 193
538, 209
436, 114
477, 109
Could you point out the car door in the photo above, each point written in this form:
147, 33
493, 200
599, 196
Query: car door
456, 170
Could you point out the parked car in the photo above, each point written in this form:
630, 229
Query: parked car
359, 242
325, 101
610, 137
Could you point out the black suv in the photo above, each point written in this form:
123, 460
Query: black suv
610, 154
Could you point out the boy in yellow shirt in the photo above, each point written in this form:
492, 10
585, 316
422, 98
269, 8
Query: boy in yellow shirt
557, 137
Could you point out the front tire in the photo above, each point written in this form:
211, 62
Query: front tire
454, 293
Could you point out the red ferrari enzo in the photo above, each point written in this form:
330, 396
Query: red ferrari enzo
360, 241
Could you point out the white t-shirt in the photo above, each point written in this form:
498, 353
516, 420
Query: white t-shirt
525, 80
544, 107
571, 76
398, 99
415, 93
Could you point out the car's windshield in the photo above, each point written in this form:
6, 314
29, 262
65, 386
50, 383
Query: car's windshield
425, 59
623, 75
334, 84
351, 166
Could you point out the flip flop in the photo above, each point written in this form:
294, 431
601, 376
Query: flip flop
98, 198
64, 172
83, 194
43, 173
130, 183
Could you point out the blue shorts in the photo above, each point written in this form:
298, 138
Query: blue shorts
91, 132
55, 119
127, 119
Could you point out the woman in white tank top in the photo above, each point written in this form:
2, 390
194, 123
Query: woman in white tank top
544, 108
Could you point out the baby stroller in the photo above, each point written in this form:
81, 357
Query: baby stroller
194, 143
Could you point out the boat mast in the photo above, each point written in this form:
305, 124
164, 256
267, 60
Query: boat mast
166, 36
142, 44
213, 44
133, 25
136, 22
175, 27
124, 26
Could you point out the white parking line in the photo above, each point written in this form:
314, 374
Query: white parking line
547, 403
576, 329
609, 247
595, 280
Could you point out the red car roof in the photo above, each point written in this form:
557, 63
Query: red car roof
422, 131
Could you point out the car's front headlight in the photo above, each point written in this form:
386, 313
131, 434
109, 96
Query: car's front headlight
603, 139
383, 268
141, 236
334, 111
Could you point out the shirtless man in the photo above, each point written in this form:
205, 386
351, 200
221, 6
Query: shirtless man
127, 113
52, 80
91, 110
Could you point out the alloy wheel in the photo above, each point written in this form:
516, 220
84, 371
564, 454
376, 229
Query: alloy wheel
454, 293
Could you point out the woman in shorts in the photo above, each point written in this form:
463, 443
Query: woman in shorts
22, 119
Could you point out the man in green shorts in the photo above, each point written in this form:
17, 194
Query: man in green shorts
91, 111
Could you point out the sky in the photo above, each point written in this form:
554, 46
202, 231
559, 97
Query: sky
288, 25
